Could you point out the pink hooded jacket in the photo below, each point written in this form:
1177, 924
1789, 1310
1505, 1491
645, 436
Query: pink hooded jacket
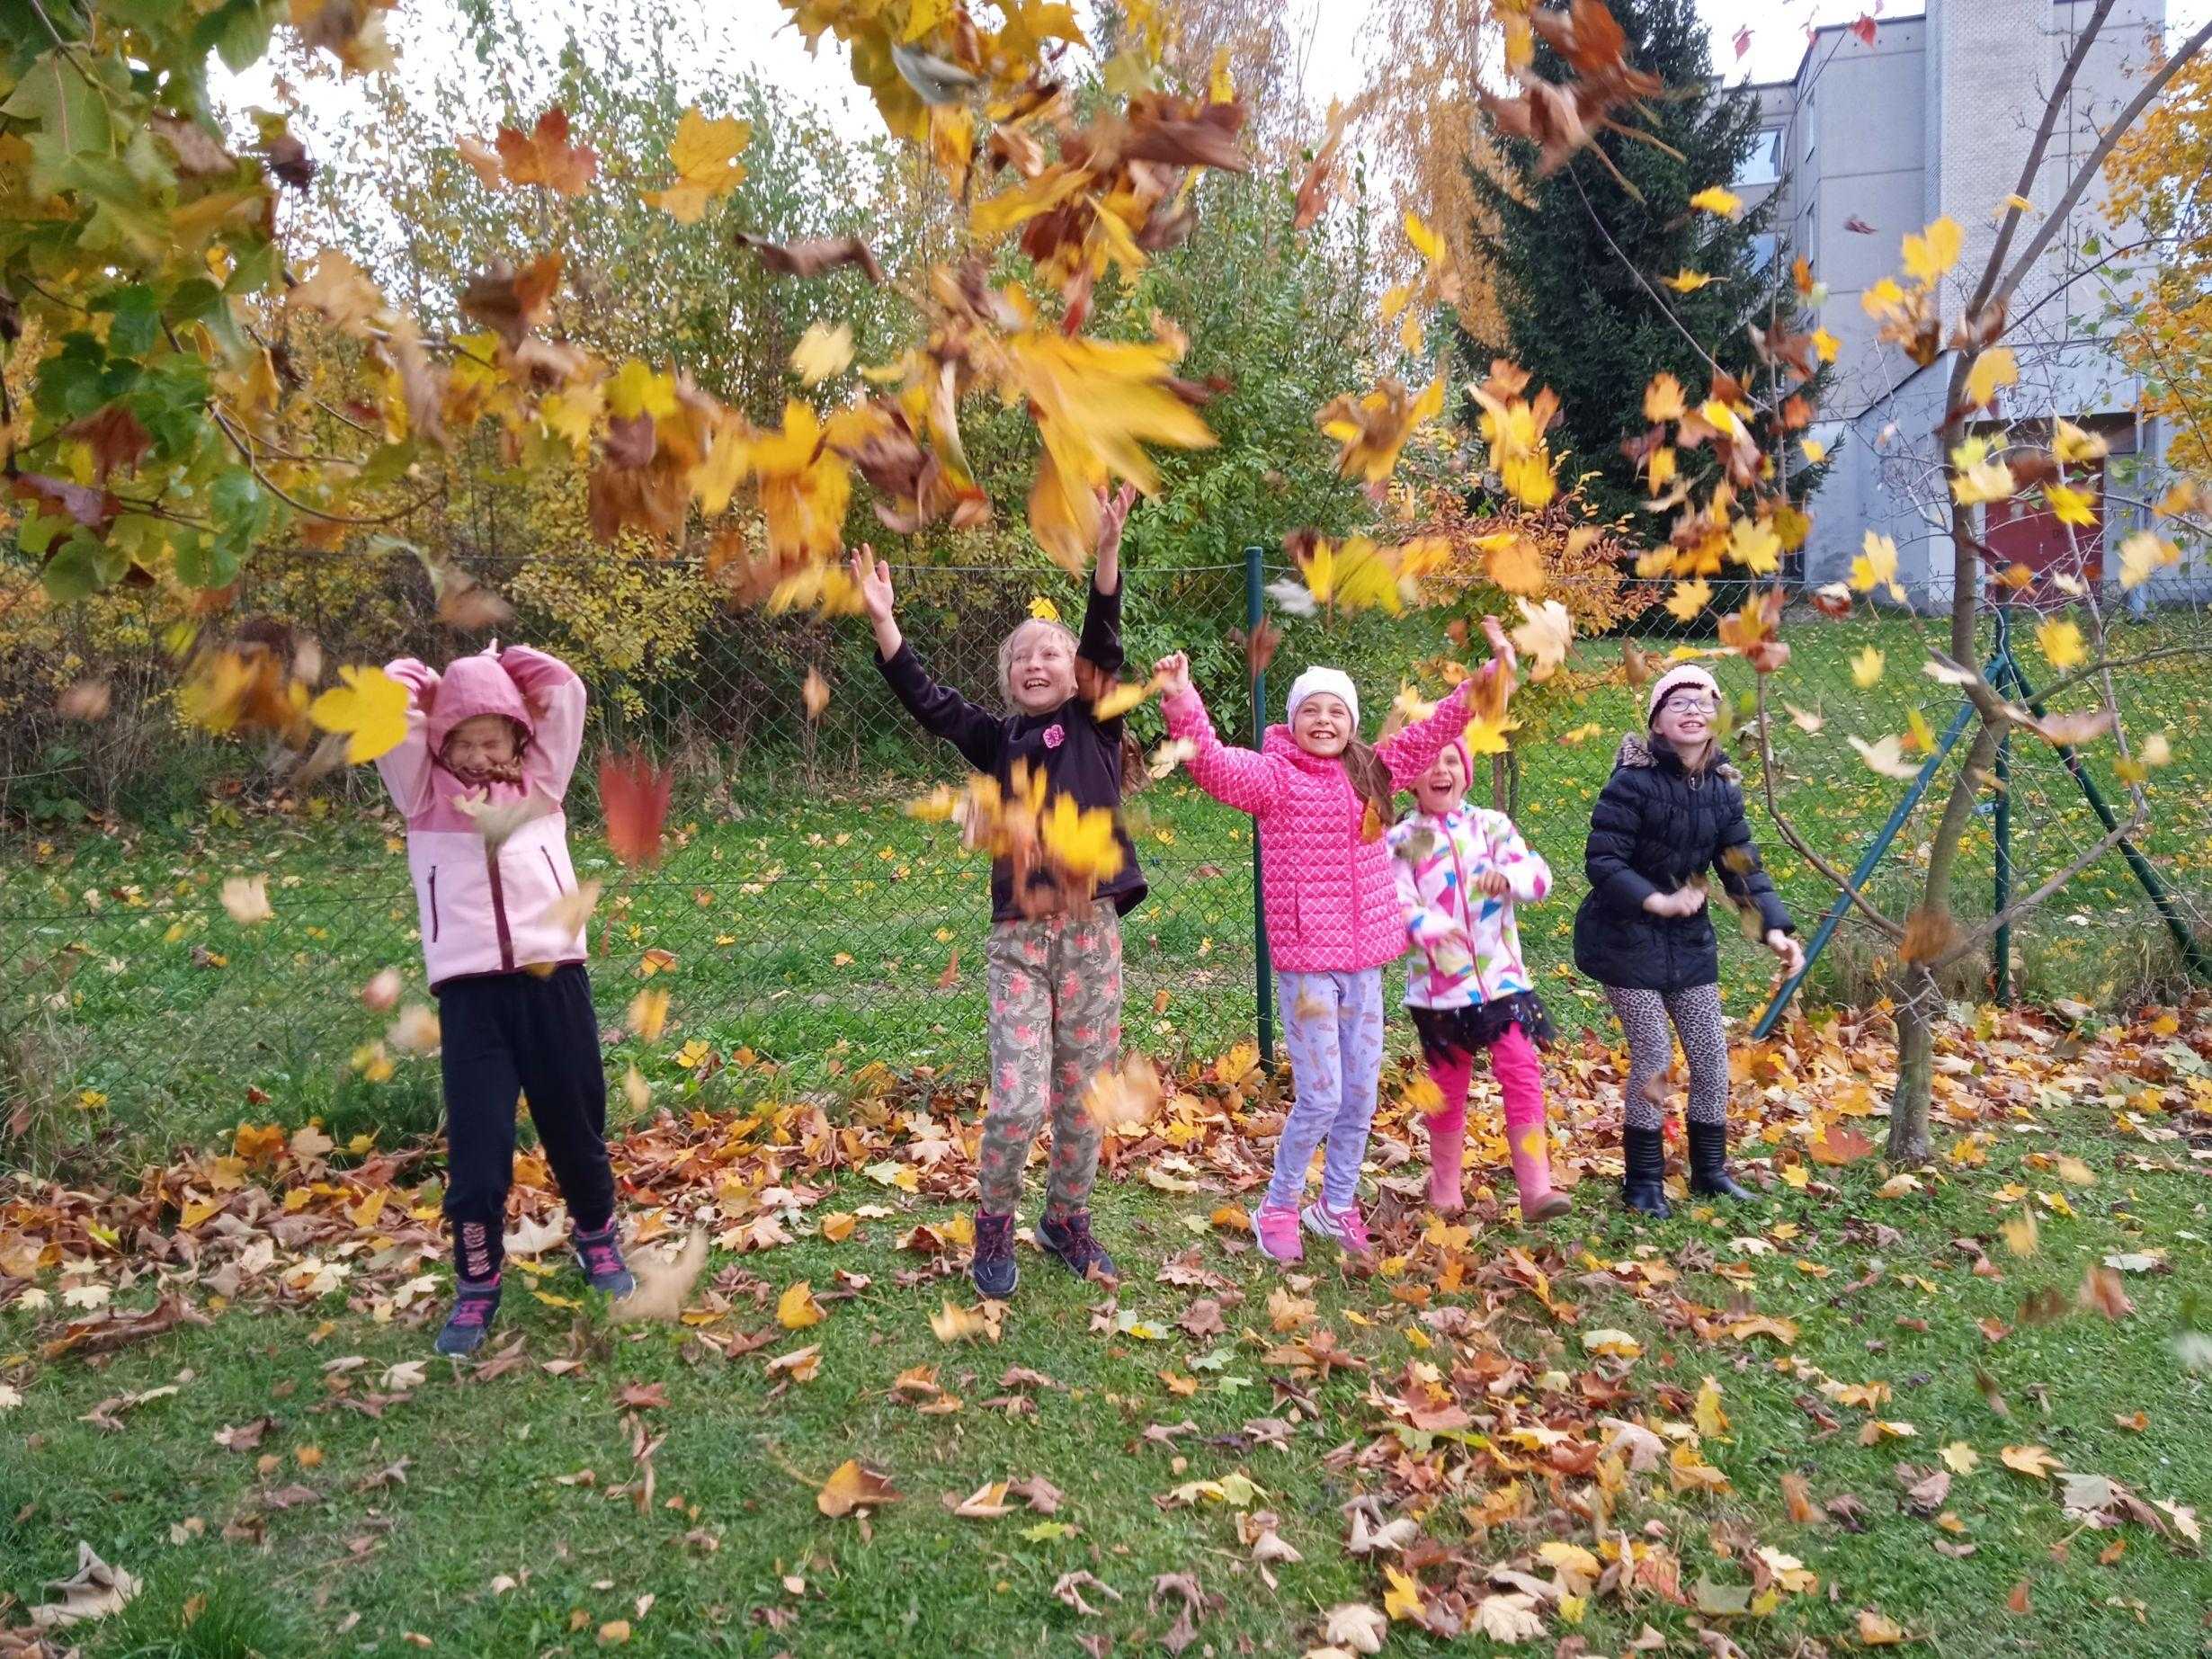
482, 906
1331, 900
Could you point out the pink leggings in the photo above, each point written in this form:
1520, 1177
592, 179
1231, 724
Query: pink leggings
1521, 1080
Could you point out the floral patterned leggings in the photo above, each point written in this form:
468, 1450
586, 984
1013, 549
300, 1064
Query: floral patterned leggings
1055, 1022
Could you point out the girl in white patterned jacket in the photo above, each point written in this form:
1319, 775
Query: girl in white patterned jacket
1460, 870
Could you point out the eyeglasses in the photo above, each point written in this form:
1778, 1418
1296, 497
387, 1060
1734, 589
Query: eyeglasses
1690, 702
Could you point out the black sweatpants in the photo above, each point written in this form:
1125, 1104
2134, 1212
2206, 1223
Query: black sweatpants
509, 1034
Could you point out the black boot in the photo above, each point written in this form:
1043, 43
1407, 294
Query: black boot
1644, 1180
1709, 1162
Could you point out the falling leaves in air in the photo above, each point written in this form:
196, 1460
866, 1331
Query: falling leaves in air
633, 797
704, 153
368, 707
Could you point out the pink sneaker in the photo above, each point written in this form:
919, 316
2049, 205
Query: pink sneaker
1275, 1229
1347, 1227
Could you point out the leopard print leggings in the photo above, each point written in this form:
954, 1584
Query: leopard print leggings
1695, 1014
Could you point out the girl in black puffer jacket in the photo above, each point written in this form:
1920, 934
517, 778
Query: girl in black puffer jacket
1673, 810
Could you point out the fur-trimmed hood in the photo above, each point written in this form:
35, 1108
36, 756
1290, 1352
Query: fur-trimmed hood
1637, 751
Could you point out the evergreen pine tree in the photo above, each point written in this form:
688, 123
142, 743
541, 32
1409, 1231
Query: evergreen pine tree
1574, 314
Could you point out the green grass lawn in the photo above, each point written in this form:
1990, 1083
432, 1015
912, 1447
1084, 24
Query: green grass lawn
502, 1516
815, 927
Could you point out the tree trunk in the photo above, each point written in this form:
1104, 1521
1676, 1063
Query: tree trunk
1908, 1104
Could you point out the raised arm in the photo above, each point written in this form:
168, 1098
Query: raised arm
1528, 877
406, 769
939, 709
1409, 753
1615, 821
1237, 778
557, 698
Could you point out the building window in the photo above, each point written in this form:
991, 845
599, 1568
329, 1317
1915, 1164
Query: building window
1763, 166
1764, 248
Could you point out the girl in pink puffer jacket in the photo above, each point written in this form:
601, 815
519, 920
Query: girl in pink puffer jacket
1333, 917
480, 776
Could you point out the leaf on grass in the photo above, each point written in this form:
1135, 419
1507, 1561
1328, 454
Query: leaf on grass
796, 1308
854, 1487
2034, 1461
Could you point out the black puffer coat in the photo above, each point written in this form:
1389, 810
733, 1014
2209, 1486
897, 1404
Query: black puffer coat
1654, 826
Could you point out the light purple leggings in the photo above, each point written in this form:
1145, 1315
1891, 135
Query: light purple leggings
1332, 1024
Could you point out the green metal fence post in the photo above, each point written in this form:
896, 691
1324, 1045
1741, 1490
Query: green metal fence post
2000, 947
1256, 601
2192, 954
1860, 877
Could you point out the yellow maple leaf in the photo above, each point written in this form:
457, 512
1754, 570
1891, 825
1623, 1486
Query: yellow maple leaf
1044, 610
1687, 599
1977, 476
705, 155
1687, 281
796, 1308
2070, 505
2061, 643
2143, 553
1404, 1600
823, 351
1867, 668
1814, 450
1715, 199
1886, 757
371, 707
1934, 251
1755, 546
1662, 399
1995, 367
1426, 242
1082, 841
2075, 447
1826, 344
1876, 567
637, 390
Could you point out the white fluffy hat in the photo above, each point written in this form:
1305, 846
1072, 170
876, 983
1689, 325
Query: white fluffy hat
1335, 681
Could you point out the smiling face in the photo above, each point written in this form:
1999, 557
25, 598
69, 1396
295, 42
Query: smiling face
1685, 720
1443, 786
482, 744
1037, 666
1322, 725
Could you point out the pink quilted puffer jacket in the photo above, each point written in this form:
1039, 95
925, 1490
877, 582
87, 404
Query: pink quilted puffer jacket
1331, 899
483, 908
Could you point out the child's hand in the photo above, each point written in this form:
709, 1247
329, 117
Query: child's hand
1785, 946
1683, 902
1172, 674
1492, 884
1113, 514
1500, 648
873, 577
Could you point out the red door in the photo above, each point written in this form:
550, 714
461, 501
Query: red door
2025, 531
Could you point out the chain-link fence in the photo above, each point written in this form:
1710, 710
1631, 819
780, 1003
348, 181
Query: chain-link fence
806, 924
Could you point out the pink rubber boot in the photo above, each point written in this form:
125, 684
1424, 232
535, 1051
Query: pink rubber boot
1448, 1135
1521, 1080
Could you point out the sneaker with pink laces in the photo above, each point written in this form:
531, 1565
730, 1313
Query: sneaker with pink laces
1347, 1227
1275, 1229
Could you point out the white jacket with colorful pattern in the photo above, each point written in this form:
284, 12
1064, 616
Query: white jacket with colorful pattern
1469, 946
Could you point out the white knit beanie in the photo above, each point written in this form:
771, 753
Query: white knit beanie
1685, 674
1333, 681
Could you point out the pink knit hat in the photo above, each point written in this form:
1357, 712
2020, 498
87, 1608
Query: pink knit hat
470, 686
1674, 679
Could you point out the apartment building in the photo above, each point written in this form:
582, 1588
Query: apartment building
1868, 141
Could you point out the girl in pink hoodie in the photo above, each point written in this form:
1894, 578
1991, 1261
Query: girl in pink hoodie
490, 748
1333, 917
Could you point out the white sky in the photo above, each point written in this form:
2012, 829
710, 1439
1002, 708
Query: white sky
733, 36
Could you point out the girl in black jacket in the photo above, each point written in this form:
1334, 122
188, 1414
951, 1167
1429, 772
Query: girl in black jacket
1673, 809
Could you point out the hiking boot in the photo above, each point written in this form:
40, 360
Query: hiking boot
1709, 1163
1347, 1227
1069, 1239
470, 1322
1275, 1229
992, 1269
599, 1256
1644, 1174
